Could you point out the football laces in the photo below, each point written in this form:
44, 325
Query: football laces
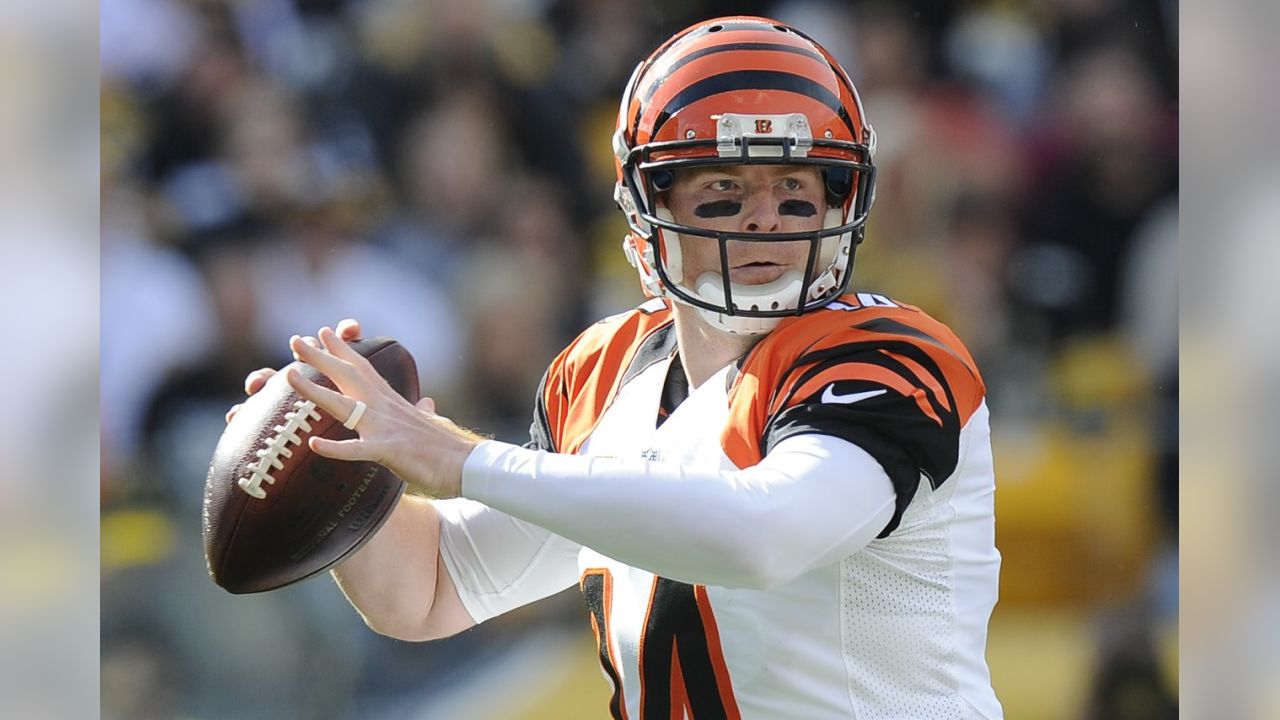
277, 446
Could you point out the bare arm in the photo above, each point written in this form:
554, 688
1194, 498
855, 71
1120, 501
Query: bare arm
821, 499
438, 566
397, 581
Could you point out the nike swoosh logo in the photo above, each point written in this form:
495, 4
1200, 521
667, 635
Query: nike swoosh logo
830, 397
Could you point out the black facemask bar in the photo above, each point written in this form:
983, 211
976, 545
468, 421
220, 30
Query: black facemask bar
645, 199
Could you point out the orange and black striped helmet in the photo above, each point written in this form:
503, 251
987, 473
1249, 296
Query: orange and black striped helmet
742, 90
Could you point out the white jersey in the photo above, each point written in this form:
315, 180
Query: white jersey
894, 630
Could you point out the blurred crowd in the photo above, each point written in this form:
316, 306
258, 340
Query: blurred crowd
441, 169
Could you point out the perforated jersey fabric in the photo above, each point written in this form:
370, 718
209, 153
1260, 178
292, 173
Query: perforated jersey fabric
893, 630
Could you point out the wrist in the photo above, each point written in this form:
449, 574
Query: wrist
458, 460
434, 467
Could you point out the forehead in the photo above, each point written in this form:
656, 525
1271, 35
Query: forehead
745, 172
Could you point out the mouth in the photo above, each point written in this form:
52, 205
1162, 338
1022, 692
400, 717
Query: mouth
756, 273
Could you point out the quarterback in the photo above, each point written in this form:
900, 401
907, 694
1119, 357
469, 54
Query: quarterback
775, 493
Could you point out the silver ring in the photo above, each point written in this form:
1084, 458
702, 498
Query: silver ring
357, 412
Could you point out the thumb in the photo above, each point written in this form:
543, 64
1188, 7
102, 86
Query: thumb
355, 449
428, 404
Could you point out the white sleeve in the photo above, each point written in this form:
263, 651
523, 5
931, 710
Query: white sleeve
499, 563
812, 501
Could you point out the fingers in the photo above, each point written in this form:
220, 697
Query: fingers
358, 363
349, 329
254, 381
337, 369
428, 404
342, 449
336, 404
339, 348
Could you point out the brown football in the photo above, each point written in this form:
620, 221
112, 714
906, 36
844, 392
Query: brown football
275, 512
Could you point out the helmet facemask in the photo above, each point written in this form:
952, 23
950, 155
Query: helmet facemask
736, 307
742, 91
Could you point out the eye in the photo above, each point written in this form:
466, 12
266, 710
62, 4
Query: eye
791, 184
723, 185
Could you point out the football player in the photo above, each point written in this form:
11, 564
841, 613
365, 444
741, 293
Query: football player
775, 494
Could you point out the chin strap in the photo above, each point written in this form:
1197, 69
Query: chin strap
671, 259
781, 294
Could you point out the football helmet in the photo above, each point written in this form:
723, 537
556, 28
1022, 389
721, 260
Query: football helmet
742, 90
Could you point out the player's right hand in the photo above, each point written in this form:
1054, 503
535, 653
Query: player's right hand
348, 330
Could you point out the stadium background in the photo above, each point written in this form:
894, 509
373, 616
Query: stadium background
442, 171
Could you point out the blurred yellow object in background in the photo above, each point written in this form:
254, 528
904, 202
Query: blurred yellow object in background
1075, 520
139, 536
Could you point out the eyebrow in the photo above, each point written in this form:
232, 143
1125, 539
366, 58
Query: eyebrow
702, 175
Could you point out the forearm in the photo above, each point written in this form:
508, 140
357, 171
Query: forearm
393, 581
811, 503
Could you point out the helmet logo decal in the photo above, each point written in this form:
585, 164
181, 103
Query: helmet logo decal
763, 135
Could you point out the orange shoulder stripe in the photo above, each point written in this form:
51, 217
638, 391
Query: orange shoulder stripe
583, 380
866, 371
923, 375
770, 377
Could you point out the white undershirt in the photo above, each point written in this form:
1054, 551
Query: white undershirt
813, 500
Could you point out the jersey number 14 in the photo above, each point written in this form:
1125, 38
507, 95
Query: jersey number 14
682, 669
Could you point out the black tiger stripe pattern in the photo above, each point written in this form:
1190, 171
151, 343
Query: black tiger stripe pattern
908, 440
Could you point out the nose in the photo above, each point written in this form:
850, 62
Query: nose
760, 213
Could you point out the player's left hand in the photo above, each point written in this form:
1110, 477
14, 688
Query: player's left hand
423, 448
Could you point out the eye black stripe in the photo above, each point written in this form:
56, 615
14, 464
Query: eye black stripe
751, 80
728, 47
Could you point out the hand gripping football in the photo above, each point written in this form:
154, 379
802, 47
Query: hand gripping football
274, 511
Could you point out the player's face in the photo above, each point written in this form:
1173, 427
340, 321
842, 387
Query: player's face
747, 198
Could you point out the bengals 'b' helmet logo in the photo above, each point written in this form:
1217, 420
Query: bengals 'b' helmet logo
742, 90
